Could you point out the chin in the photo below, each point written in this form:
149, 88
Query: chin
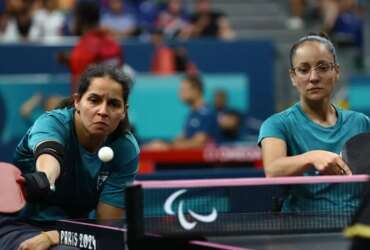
99, 132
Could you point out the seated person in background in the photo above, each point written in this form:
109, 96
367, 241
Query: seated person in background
201, 124
167, 60
306, 138
229, 120
118, 20
37, 104
230, 126
60, 150
173, 21
209, 23
96, 45
47, 21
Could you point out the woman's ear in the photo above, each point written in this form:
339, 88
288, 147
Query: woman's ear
124, 112
292, 76
76, 101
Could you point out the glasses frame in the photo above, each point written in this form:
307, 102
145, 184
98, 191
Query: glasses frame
331, 64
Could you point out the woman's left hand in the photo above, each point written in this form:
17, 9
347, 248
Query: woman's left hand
38, 242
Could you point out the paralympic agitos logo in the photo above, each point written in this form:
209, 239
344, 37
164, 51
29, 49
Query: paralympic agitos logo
183, 219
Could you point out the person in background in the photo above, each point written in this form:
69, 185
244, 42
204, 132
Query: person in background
208, 23
200, 127
18, 21
167, 60
47, 22
58, 157
229, 120
95, 46
37, 104
173, 22
118, 20
306, 138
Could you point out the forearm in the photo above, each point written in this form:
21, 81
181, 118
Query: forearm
287, 166
50, 166
105, 211
196, 141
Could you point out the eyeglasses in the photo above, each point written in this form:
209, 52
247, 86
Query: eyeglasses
305, 71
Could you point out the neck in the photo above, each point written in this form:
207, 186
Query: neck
90, 142
322, 113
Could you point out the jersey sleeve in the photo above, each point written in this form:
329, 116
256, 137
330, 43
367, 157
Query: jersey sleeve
124, 170
272, 127
46, 128
366, 120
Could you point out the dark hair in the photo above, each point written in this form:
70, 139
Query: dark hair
87, 12
319, 37
195, 81
102, 70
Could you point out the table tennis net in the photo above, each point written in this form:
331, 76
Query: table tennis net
247, 205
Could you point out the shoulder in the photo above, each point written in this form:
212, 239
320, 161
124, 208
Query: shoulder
279, 125
127, 146
63, 116
283, 116
352, 114
354, 117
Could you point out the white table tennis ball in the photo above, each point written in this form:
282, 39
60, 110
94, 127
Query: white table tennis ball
105, 154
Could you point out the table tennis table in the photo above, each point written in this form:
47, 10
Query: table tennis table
92, 235
259, 225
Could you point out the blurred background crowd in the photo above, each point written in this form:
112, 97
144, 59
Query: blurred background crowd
238, 49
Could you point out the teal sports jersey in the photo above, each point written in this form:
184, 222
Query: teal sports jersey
84, 179
301, 135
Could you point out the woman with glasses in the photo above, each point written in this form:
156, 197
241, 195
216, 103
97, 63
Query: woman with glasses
306, 138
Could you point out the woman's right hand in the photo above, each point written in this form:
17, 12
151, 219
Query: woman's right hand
327, 162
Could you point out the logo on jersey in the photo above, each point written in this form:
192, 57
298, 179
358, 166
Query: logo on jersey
102, 177
184, 221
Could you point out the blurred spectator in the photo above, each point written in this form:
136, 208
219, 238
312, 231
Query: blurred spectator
229, 120
37, 104
66, 5
19, 20
147, 12
167, 60
173, 21
163, 60
348, 27
117, 19
47, 21
209, 23
340, 18
230, 125
297, 13
2, 17
200, 127
96, 45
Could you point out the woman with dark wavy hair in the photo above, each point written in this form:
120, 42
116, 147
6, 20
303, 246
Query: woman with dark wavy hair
58, 157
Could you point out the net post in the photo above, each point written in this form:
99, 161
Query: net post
134, 215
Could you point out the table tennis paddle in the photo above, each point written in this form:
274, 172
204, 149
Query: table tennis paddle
356, 153
16, 188
12, 198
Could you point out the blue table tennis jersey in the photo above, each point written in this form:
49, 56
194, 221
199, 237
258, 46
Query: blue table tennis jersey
84, 179
202, 120
301, 135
